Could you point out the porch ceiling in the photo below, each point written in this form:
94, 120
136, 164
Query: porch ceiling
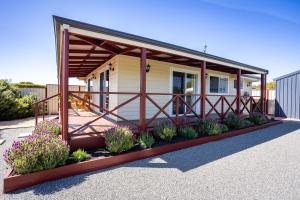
86, 54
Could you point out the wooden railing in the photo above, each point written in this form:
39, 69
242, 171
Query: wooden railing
220, 107
39, 107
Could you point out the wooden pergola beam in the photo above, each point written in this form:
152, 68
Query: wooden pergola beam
87, 51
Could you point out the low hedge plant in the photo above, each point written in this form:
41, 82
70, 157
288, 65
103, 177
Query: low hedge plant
37, 152
165, 131
188, 132
119, 139
210, 127
234, 122
258, 118
146, 140
80, 155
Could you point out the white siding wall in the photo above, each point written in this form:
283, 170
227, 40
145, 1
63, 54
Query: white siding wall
126, 78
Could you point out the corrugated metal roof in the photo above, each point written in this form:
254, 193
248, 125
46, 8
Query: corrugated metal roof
99, 29
287, 75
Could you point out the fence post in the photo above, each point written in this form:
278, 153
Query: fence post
36, 113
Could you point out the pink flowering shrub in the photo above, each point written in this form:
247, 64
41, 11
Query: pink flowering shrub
37, 152
48, 126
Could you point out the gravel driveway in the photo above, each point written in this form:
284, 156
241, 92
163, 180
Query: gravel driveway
264, 165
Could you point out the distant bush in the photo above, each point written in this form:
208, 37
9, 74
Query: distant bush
165, 131
48, 126
12, 105
188, 132
80, 155
146, 140
28, 85
119, 139
258, 118
37, 152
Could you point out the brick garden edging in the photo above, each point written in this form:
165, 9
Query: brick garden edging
14, 182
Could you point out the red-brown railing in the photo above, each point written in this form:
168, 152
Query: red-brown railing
218, 106
41, 111
226, 104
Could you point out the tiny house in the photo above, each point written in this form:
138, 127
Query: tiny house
138, 82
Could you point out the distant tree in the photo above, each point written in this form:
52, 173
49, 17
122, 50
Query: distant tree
270, 86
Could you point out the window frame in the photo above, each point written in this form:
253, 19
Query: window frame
242, 84
217, 76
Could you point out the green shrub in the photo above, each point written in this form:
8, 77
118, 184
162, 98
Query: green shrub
28, 85
188, 132
37, 152
146, 140
209, 127
234, 122
119, 139
49, 126
80, 155
248, 123
224, 128
258, 118
165, 131
12, 105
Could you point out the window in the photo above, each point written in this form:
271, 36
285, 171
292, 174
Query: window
235, 83
218, 84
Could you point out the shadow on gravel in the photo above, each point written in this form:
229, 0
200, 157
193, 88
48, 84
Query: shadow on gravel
193, 157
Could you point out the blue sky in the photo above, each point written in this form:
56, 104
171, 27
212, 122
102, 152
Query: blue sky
260, 33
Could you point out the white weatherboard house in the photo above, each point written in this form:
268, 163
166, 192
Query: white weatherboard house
140, 81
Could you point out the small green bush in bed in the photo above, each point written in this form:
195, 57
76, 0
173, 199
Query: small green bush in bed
37, 152
165, 131
258, 118
80, 155
224, 128
119, 139
248, 123
188, 132
234, 122
209, 127
146, 140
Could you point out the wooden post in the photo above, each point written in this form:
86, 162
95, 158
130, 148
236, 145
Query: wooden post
203, 90
238, 92
143, 90
65, 85
262, 92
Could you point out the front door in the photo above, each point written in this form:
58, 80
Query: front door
184, 83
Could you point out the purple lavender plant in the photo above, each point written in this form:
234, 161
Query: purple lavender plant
37, 152
48, 126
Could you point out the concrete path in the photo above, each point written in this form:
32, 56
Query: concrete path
263, 165
22, 123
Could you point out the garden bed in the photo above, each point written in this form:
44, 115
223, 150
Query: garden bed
104, 160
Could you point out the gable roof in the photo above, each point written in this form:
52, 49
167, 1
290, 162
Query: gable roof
89, 27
